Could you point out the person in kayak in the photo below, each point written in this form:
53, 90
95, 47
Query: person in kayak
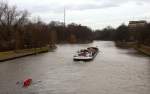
27, 82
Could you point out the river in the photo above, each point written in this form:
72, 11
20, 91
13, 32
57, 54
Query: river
113, 71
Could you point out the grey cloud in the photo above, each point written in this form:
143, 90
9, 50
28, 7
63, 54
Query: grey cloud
57, 7
90, 6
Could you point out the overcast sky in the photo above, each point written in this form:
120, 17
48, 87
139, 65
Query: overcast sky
96, 14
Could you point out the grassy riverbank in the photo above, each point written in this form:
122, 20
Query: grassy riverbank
144, 49
21, 53
141, 48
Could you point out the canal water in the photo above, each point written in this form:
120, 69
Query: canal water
113, 71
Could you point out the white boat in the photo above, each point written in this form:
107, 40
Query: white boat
86, 54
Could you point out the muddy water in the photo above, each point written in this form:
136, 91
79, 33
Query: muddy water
113, 71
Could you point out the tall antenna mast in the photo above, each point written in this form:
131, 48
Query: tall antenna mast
64, 17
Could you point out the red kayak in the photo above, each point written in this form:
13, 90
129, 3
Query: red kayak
27, 82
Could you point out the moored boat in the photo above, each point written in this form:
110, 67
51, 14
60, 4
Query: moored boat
86, 54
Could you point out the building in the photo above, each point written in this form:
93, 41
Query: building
135, 24
134, 27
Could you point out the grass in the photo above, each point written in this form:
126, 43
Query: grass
144, 49
22, 52
3, 54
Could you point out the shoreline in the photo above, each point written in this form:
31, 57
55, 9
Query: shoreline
143, 49
140, 48
10, 55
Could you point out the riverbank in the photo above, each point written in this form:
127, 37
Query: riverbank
9, 55
77, 42
141, 48
144, 49
125, 44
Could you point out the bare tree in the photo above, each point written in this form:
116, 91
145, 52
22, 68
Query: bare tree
11, 21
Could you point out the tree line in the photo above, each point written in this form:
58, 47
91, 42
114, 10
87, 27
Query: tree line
18, 31
123, 34
72, 33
